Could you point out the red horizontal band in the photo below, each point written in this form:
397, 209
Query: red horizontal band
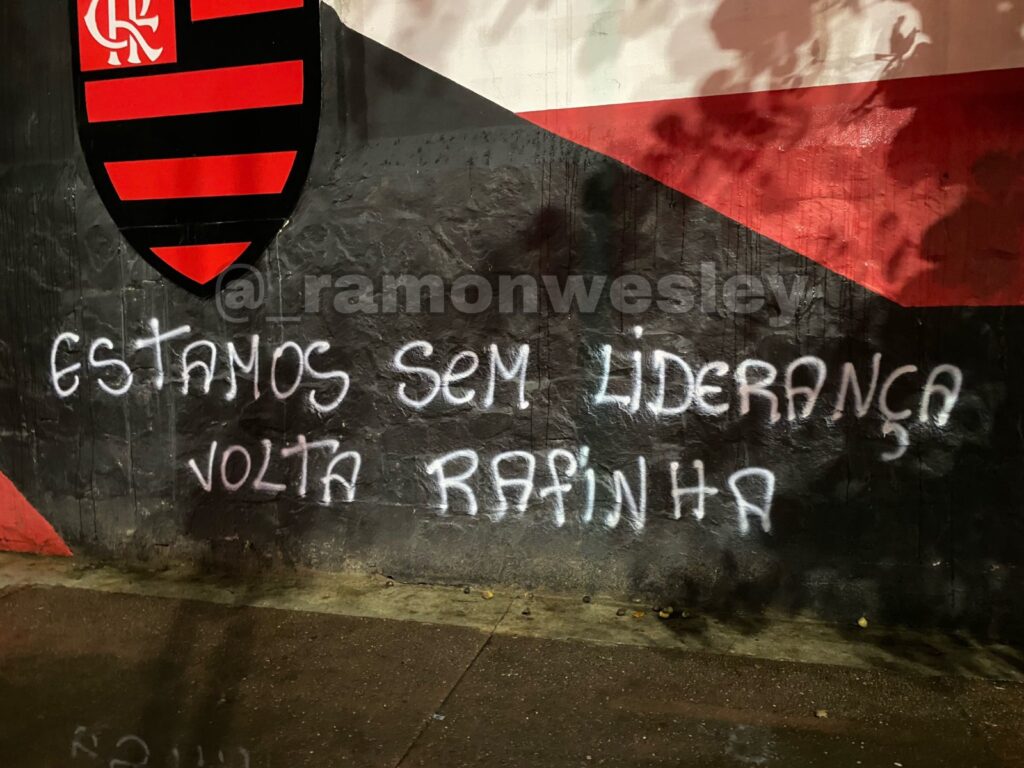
218, 9
263, 173
190, 93
201, 263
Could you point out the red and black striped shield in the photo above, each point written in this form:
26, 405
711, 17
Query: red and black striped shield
198, 120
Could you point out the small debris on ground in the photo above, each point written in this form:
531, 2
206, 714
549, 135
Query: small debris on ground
526, 612
466, 590
621, 612
639, 614
666, 613
862, 622
389, 583
587, 598
487, 594
821, 714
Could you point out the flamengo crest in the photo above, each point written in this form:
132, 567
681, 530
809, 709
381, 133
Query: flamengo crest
198, 120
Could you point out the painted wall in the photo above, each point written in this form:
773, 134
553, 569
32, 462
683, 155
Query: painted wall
794, 384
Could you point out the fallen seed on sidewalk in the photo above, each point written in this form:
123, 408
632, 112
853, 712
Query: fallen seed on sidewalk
586, 598
639, 614
822, 714
487, 595
862, 622
666, 613
466, 590
620, 612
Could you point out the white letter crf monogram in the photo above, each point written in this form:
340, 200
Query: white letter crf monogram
133, 38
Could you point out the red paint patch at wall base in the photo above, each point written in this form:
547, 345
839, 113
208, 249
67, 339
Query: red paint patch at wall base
913, 188
23, 529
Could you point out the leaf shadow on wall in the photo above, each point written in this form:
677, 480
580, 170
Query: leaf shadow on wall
948, 540
890, 183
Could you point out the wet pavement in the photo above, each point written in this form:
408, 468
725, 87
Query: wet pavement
90, 678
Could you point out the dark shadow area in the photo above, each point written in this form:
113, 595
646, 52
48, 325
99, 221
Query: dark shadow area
944, 547
91, 679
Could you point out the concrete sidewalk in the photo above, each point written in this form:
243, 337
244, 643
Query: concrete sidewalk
104, 668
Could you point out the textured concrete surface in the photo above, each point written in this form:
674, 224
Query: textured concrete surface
600, 619
529, 702
290, 688
102, 677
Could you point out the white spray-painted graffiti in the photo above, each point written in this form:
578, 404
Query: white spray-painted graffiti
649, 385
90, 747
292, 368
285, 371
704, 391
235, 468
660, 385
460, 368
454, 474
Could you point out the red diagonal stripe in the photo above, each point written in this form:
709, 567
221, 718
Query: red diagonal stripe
201, 263
910, 187
264, 173
218, 9
190, 93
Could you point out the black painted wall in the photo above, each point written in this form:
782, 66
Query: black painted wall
414, 175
